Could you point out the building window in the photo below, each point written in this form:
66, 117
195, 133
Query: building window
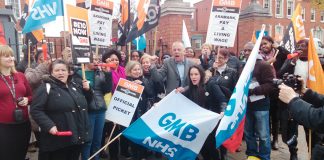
15, 7
318, 33
290, 8
197, 43
322, 16
303, 14
313, 15
267, 5
279, 30
279, 8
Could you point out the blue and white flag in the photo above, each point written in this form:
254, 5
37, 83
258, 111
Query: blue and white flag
42, 12
236, 108
176, 127
140, 42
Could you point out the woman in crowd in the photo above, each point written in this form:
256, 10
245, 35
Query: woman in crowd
157, 84
15, 95
124, 58
222, 74
114, 56
206, 57
136, 55
208, 96
134, 73
60, 105
101, 84
276, 56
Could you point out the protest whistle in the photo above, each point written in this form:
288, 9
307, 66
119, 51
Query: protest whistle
64, 133
292, 55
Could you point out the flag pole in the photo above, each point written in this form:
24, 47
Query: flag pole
64, 36
128, 30
28, 52
112, 131
154, 44
105, 146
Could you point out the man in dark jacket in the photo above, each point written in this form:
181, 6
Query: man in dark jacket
257, 113
307, 111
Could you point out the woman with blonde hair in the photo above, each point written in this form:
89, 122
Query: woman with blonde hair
15, 95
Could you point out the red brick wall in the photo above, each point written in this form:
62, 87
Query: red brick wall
2, 4
201, 15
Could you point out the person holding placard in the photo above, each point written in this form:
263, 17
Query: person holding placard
101, 84
134, 73
113, 56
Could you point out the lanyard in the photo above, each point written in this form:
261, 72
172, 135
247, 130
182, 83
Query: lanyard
12, 89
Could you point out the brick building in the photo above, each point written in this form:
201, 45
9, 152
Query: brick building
275, 14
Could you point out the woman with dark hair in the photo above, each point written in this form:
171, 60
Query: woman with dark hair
135, 55
276, 56
15, 95
208, 96
60, 105
124, 58
114, 56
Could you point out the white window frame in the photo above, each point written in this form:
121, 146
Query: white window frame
292, 8
322, 16
269, 5
15, 9
319, 33
304, 13
281, 30
313, 20
280, 15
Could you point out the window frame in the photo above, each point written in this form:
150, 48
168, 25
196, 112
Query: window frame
280, 15
313, 20
292, 8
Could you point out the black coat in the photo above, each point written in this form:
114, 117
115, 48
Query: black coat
309, 111
157, 84
147, 96
208, 96
228, 78
64, 107
102, 84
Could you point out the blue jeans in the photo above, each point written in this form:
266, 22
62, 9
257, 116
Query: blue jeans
257, 129
97, 121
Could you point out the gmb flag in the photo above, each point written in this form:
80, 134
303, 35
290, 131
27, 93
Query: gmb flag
34, 36
315, 79
147, 17
43, 11
176, 127
295, 30
236, 108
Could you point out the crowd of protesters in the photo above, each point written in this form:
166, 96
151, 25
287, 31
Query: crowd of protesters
46, 98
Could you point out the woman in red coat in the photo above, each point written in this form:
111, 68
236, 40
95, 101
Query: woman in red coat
15, 95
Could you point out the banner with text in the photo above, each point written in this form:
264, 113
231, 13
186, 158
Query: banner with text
100, 18
223, 22
176, 127
79, 29
236, 108
124, 102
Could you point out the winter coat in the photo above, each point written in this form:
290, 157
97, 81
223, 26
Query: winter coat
158, 86
309, 111
102, 84
209, 96
147, 96
227, 78
65, 107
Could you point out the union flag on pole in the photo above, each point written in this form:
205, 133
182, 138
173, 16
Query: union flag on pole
34, 36
315, 79
295, 30
147, 17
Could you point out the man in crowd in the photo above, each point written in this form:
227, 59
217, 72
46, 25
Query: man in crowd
257, 113
174, 69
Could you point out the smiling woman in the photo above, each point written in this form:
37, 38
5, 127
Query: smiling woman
14, 122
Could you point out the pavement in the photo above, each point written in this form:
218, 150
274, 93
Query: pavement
281, 154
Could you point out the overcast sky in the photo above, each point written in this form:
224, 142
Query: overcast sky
53, 29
